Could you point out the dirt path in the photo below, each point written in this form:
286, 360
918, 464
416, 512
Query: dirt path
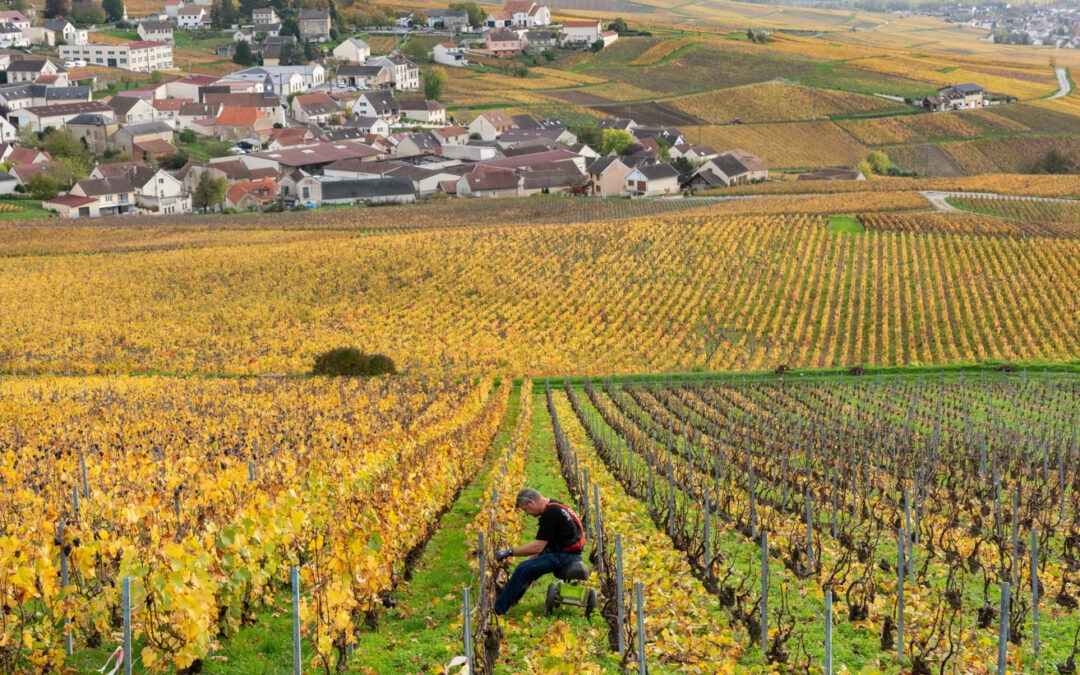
1064, 86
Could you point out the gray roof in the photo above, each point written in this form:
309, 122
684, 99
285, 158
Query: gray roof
381, 99
968, 88
314, 14
147, 128
25, 65
156, 26
66, 93
729, 166
266, 27
123, 104
56, 25
92, 119
94, 187
367, 188
657, 171
601, 164
352, 70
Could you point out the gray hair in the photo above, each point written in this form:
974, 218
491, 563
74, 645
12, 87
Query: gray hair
526, 495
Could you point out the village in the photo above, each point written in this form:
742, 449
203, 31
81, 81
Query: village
345, 127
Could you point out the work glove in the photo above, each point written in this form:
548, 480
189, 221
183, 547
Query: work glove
503, 554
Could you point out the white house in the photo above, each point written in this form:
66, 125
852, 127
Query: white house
264, 15
10, 36
353, 50
580, 32
650, 180
285, 79
380, 103
159, 31
191, 18
449, 54
491, 124
406, 74
160, 190
67, 32
422, 110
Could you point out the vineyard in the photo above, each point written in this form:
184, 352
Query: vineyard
738, 502
1066, 214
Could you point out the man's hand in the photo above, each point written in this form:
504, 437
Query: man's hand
503, 554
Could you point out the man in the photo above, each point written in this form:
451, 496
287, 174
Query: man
559, 540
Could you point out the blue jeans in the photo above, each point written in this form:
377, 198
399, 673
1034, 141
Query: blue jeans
527, 572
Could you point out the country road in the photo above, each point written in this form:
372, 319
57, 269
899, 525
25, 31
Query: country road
1064, 86
937, 199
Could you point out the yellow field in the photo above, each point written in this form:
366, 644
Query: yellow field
777, 102
785, 145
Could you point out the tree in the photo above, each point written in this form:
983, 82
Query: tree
878, 161
597, 45
27, 137
248, 6
187, 136
477, 16
223, 14
1055, 162
619, 26
289, 55
615, 141
87, 14
865, 169
210, 191
174, 161
43, 186
419, 18
590, 136
157, 77
685, 167
19, 5
434, 79
243, 55
60, 143
114, 9
57, 9
68, 170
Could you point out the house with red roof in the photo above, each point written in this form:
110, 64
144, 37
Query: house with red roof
234, 124
252, 195
73, 206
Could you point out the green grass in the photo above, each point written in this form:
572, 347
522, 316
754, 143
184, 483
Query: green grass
205, 148
845, 224
28, 208
122, 34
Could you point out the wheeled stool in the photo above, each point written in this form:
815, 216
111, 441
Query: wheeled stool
570, 589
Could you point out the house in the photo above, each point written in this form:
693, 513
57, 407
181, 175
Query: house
380, 104
158, 31
449, 19
513, 137
370, 124
15, 18
491, 124
406, 76
423, 110
29, 70
264, 15
580, 33
11, 36
416, 144
24, 172
364, 77
502, 43
449, 54
18, 96
316, 108
252, 195
538, 40
527, 14
67, 32
8, 132
694, 153
490, 181
830, 173
553, 178
756, 169
140, 56
353, 50
607, 176
620, 123
192, 18
237, 124
956, 97
172, 7
385, 190
139, 140
313, 156
499, 19
722, 170
669, 135
114, 196
16, 156
158, 190
272, 30
285, 80
40, 118
454, 135
652, 179
94, 128
73, 206
314, 25
168, 110
7, 183
115, 169
131, 110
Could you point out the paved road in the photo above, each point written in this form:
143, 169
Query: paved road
1064, 86
937, 198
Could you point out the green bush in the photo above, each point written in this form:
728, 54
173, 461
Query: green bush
351, 361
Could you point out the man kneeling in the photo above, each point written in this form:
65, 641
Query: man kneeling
559, 540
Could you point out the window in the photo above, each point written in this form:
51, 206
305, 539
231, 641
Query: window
307, 193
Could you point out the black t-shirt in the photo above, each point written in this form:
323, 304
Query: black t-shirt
558, 527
